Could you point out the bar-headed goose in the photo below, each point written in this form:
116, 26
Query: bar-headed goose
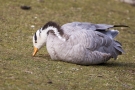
79, 42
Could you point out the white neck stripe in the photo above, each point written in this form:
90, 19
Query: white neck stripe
55, 32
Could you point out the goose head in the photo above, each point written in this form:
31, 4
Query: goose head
40, 36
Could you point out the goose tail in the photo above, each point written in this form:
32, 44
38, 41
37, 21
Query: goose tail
120, 26
117, 49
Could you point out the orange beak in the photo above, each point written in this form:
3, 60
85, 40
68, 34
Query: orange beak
35, 51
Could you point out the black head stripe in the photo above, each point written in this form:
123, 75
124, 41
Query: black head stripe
35, 37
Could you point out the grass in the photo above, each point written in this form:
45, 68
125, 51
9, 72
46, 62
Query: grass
20, 71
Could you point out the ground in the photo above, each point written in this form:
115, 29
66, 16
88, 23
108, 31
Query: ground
20, 71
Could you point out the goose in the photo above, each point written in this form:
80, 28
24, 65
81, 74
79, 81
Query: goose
80, 43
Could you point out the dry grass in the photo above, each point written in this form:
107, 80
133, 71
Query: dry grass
20, 71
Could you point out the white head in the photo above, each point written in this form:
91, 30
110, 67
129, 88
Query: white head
40, 37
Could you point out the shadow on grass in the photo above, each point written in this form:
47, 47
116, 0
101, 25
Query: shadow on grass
118, 64
108, 64
47, 56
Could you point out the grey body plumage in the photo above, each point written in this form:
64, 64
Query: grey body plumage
85, 43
